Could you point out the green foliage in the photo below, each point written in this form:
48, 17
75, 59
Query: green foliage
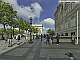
1, 30
51, 32
9, 31
16, 31
7, 15
25, 25
22, 32
34, 30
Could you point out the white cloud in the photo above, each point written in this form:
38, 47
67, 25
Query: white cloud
44, 30
33, 10
48, 21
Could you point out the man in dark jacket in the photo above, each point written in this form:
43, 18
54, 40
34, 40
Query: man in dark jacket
57, 37
48, 38
41, 37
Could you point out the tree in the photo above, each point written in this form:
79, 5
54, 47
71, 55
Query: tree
6, 14
26, 25
51, 31
1, 30
19, 23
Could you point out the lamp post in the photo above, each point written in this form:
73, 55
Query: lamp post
77, 27
30, 30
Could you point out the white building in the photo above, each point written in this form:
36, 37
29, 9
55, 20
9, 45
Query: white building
38, 27
66, 19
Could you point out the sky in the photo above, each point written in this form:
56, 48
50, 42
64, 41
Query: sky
42, 11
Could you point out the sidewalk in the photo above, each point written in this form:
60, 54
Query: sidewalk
57, 52
41, 51
4, 46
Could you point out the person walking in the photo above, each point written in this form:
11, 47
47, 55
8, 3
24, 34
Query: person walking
18, 38
41, 37
48, 38
44, 36
73, 39
10, 40
57, 37
51, 37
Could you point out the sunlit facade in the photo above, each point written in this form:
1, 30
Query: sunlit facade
66, 19
39, 27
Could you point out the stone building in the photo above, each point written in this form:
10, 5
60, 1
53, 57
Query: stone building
38, 27
66, 19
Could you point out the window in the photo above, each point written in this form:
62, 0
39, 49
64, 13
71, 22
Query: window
66, 34
66, 11
73, 22
61, 14
62, 27
56, 29
67, 25
72, 6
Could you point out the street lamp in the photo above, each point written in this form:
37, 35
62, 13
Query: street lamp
30, 30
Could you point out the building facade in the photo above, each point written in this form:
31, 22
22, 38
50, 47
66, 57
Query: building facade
66, 19
39, 27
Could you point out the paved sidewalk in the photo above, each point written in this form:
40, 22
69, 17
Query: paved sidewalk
4, 46
57, 52
41, 51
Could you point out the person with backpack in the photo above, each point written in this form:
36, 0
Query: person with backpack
18, 39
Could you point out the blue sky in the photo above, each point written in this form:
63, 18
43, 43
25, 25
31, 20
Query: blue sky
48, 6
42, 11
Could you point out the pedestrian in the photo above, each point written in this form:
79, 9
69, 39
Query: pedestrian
73, 39
41, 37
18, 39
48, 38
44, 36
57, 37
10, 40
25, 38
51, 37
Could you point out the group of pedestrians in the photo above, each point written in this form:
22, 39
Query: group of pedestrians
49, 38
8, 39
